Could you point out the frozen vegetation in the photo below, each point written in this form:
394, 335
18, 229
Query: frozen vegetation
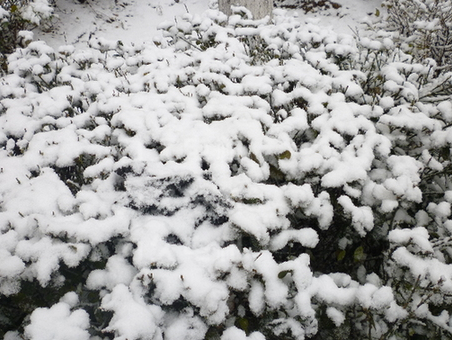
234, 180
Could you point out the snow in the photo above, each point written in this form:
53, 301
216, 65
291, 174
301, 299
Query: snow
186, 327
256, 297
195, 180
275, 290
234, 333
47, 253
328, 291
58, 322
36, 11
70, 298
306, 237
335, 315
362, 217
137, 21
149, 235
132, 318
418, 236
370, 296
117, 271
10, 266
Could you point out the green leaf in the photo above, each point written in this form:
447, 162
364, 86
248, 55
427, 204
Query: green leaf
377, 12
254, 158
340, 255
244, 324
252, 201
276, 175
283, 274
359, 254
285, 155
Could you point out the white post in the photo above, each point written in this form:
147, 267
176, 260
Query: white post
259, 8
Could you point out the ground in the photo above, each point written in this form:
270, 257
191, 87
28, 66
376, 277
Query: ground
136, 21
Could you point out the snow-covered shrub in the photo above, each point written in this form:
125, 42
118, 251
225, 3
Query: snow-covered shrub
238, 179
308, 5
17, 18
423, 28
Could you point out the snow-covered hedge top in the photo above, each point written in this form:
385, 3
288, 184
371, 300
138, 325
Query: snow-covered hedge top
235, 179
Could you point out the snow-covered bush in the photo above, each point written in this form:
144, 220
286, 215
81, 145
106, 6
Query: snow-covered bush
237, 179
423, 28
16, 17
309, 6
